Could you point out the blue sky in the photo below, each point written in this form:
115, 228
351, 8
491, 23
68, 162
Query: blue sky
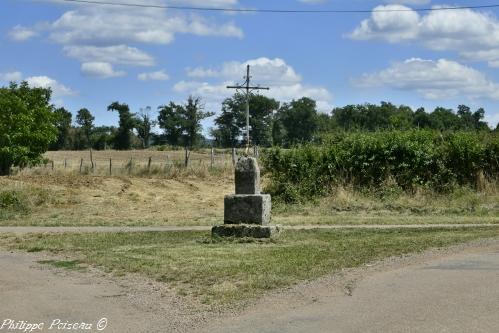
92, 55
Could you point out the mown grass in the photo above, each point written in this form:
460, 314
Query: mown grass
220, 271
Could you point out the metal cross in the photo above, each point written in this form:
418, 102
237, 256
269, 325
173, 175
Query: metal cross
248, 88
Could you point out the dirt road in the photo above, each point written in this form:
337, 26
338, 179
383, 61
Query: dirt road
453, 291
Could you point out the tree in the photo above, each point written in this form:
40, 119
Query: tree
192, 115
86, 122
123, 138
170, 120
232, 121
26, 125
444, 119
144, 125
299, 119
62, 122
182, 123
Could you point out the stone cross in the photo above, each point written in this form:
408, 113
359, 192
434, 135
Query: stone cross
248, 212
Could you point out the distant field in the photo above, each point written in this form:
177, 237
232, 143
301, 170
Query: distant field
71, 160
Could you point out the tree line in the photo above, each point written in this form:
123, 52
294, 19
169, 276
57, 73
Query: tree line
30, 124
271, 123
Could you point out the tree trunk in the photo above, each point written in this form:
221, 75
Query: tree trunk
5, 168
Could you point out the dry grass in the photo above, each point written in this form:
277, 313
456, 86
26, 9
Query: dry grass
134, 162
91, 200
170, 194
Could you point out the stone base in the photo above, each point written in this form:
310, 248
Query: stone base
245, 230
247, 209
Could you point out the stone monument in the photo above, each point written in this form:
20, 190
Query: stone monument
247, 213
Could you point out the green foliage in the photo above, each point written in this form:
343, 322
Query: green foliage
26, 125
144, 125
299, 121
404, 159
63, 119
371, 117
123, 138
182, 123
231, 123
86, 121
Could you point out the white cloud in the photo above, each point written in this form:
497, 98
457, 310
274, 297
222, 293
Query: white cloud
116, 54
117, 25
270, 71
156, 76
101, 70
20, 33
42, 81
58, 89
12, 76
474, 35
285, 84
433, 79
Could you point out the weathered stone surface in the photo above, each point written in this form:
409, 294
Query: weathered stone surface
245, 230
247, 209
247, 176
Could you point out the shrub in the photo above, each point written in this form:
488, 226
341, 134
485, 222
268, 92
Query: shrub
409, 159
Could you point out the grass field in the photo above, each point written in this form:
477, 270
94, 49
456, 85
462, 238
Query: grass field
68, 199
216, 271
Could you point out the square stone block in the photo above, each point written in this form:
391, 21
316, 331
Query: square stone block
247, 209
245, 230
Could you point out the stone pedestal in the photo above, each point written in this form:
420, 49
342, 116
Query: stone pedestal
248, 212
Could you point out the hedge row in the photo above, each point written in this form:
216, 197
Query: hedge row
408, 158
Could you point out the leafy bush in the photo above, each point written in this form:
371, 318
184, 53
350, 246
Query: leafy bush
407, 160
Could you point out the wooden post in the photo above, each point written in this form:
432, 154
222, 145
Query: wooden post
149, 164
91, 160
212, 157
110, 167
52, 165
130, 166
187, 155
81, 164
234, 156
65, 163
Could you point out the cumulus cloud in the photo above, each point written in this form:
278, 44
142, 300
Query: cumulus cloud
115, 54
42, 81
11, 77
283, 80
271, 71
58, 89
100, 70
104, 34
474, 35
20, 33
433, 79
154, 76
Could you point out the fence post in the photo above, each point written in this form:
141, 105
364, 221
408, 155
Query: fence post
91, 160
81, 164
65, 163
187, 155
149, 164
110, 166
130, 166
212, 157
